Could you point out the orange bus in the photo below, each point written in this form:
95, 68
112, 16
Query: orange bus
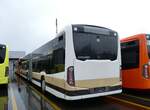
135, 51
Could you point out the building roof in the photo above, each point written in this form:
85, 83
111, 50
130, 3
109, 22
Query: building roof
16, 54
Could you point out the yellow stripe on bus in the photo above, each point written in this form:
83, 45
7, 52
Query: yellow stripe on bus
128, 102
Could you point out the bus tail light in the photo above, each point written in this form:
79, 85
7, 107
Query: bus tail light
6, 71
70, 76
146, 71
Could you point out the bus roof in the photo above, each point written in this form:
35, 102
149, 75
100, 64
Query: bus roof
137, 36
92, 26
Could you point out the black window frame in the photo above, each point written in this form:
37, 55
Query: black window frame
2, 54
130, 46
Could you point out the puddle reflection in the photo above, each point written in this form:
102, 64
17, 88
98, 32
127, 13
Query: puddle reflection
3, 98
32, 99
3, 102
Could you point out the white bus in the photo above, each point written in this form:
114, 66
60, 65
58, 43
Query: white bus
82, 61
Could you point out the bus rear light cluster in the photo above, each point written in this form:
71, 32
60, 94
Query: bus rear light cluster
146, 72
70, 76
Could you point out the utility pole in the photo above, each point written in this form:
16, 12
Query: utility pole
56, 26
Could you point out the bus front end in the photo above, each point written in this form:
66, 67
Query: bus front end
94, 69
4, 65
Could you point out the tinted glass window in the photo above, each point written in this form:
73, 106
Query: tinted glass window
130, 54
53, 62
2, 53
94, 43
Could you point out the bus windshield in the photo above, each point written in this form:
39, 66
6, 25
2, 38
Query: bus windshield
92, 42
2, 53
148, 44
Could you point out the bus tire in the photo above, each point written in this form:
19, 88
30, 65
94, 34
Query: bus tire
43, 85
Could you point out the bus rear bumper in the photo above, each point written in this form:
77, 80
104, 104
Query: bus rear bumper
83, 94
92, 95
4, 80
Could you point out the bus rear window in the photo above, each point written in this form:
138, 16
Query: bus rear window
130, 54
2, 53
92, 43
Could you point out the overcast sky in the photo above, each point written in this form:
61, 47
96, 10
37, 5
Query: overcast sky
27, 24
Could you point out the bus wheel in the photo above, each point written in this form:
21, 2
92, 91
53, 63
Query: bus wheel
43, 86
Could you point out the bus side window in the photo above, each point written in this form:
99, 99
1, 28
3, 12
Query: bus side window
58, 55
59, 60
60, 38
